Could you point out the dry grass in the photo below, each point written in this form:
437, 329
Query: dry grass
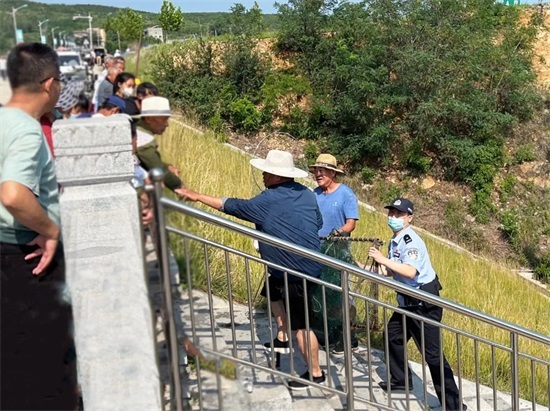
208, 167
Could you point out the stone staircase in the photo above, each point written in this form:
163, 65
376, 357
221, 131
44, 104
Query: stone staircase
260, 390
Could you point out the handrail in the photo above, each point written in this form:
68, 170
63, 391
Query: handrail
351, 293
342, 266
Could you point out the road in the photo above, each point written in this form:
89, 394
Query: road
5, 91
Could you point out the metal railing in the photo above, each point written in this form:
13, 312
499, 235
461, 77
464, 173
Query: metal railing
505, 359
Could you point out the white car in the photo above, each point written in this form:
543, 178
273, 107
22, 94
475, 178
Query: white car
71, 64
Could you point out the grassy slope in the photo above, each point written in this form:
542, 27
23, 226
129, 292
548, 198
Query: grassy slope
208, 167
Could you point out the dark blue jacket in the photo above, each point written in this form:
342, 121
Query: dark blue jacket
288, 211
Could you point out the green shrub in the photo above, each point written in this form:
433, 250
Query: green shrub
525, 153
509, 225
507, 187
310, 153
367, 175
245, 116
216, 123
389, 192
481, 206
542, 271
416, 161
297, 124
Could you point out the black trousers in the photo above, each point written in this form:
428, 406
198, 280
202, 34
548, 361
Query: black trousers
38, 368
432, 344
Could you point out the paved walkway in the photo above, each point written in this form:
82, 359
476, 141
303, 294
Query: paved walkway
268, 392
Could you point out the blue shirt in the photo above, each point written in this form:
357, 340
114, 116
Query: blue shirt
288, 211
409, 248
336, 208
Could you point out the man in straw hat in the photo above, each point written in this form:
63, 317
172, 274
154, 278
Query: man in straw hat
155, 113
287, 210
338, 205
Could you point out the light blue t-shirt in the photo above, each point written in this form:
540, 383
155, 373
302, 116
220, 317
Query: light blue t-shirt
26, 159
336, 208
409, 248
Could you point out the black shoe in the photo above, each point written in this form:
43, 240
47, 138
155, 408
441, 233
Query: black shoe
339, 348
278, 346
298, 385
394, 386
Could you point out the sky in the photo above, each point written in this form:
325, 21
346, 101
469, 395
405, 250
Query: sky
187, 6
191, 6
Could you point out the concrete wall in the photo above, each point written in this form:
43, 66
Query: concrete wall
103, 244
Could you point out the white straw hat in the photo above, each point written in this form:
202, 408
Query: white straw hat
155, 106
279, 163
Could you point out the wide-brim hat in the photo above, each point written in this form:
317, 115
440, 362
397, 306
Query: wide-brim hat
155, 107
327, 161
402, 204
279, 163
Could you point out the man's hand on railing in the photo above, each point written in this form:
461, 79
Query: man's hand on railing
191, 349
147, 214
187, 194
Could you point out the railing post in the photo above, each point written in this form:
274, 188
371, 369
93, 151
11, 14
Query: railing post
515, 371
347, 340
157, 175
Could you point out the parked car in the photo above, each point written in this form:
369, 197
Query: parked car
71, 64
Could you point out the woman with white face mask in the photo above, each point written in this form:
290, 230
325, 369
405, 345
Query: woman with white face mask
125, 85
409, 263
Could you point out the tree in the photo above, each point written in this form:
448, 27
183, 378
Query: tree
245, 22
130, 24
170, 18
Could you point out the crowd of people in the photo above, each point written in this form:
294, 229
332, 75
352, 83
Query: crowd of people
38, 370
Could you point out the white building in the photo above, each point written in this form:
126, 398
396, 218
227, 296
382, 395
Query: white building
155, 32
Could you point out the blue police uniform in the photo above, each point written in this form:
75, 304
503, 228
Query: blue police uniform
408, 248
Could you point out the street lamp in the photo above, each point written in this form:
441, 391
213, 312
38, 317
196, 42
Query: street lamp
13, 11
89, 17
40, 27
53, 36
59, 35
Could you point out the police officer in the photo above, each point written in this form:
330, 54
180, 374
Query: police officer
408, 262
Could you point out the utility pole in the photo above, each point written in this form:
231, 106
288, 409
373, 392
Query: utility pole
40, 28
53, 36
13, 11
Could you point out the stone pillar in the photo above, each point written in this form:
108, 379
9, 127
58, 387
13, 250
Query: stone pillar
103, 244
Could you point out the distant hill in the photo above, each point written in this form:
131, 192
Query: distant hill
61, 16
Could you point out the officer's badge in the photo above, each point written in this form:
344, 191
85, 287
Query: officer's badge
396, 253
413, 254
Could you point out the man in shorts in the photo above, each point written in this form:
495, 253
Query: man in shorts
287, 210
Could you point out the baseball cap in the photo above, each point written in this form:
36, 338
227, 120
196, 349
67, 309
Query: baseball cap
117, 101
402, 204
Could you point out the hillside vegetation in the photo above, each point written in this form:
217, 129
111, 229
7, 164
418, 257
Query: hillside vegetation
436, 100
211, 168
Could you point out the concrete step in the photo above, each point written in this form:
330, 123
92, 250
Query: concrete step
258, 390
368, 370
